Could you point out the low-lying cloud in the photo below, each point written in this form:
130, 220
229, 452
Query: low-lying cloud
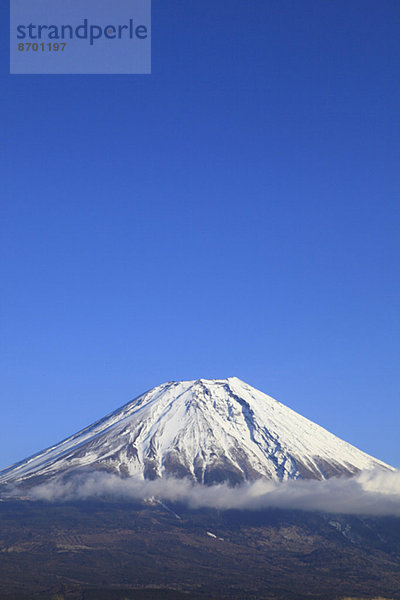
371, 492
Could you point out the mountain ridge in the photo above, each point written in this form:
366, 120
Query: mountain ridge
206, 430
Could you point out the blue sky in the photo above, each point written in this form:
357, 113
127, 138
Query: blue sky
234, 213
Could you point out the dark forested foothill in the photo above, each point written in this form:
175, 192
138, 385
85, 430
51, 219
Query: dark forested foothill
117, 551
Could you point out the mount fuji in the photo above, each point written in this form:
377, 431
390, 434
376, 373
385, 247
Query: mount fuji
209, 431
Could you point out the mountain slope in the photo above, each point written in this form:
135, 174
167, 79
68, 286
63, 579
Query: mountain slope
113, 550
207, 430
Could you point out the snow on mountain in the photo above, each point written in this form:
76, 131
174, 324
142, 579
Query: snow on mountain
206, 430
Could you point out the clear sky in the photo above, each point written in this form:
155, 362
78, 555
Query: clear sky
236, 213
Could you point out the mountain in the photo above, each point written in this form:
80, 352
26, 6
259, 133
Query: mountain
96, 550
207, 430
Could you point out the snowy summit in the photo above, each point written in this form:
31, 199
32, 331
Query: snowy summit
206, 430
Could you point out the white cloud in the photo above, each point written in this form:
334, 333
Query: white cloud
371, 492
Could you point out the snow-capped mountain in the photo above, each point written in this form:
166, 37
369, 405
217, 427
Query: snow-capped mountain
206, 430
